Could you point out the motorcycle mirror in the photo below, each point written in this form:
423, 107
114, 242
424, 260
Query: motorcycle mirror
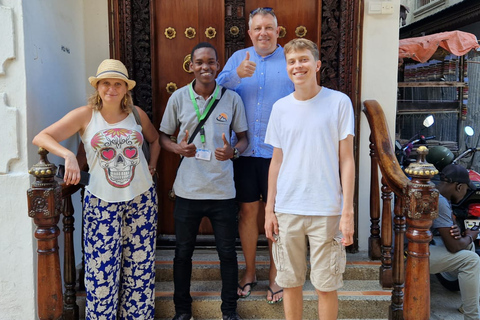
429, 121
469, 131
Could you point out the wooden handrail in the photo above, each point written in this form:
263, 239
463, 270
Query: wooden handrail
415, 207
389, 166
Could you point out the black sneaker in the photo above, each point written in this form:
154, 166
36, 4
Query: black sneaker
183, 316
233, 316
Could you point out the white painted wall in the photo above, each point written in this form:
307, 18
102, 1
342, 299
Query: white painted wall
57, 45
379, 82
96, 37
16, 249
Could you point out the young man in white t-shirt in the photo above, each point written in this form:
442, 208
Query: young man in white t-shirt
310, 184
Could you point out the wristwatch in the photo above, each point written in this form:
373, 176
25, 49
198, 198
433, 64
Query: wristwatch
236, 154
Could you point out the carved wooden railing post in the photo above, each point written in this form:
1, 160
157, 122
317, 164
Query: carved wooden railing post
70, 308
398, 270
422, 206
386, 267
374, 241
44, 199
81, 272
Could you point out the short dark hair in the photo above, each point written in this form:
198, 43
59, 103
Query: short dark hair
203, 45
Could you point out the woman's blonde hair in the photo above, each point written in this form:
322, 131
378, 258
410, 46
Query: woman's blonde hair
97, 104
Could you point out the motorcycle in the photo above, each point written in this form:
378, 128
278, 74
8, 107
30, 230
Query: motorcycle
467, 211
402, 152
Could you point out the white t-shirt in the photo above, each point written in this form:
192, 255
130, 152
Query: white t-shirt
309, 132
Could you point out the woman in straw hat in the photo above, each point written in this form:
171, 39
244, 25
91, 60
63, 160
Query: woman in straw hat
120, 204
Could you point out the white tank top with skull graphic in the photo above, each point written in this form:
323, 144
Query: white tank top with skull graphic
117, 166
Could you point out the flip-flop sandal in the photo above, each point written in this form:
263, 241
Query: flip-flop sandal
251, 284
273, 294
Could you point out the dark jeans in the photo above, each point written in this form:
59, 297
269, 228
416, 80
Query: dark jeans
188, 214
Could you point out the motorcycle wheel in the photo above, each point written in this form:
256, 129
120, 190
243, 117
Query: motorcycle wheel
448, 280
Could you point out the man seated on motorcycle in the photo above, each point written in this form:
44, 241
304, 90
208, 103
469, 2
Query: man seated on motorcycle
456, 254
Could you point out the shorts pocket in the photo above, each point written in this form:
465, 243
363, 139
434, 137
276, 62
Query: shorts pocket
338, 257
278, 253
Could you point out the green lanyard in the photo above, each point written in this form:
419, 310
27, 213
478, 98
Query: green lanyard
199, 116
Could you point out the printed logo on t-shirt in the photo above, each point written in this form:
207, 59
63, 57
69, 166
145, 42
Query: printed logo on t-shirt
117, 151
222, 117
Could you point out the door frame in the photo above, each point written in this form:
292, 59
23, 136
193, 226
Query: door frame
340, 51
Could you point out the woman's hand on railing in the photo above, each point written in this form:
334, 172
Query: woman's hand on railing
72, 170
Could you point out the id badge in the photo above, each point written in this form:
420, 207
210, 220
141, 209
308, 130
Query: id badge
203, 154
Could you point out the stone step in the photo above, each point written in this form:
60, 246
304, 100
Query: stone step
358, 299
206, 266
204, 270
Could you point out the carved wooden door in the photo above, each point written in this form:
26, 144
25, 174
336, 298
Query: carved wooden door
178, 25
155, 55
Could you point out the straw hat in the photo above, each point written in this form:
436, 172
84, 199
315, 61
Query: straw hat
112, 69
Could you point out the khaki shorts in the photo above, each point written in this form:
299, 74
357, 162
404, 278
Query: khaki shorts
327, 254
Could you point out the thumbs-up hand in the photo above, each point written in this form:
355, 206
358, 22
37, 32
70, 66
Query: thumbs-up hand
185, 149
225, 152
247, 67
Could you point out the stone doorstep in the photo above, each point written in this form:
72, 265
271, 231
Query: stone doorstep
354, 302
254, 308
210, 270
358, 299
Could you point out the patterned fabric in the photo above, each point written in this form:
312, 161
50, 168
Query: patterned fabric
119, 240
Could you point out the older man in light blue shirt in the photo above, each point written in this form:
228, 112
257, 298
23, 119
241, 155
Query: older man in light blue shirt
258, 74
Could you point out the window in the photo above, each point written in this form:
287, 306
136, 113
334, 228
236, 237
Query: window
424, 6
421, 3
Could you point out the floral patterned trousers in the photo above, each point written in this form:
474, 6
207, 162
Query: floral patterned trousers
119, 240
